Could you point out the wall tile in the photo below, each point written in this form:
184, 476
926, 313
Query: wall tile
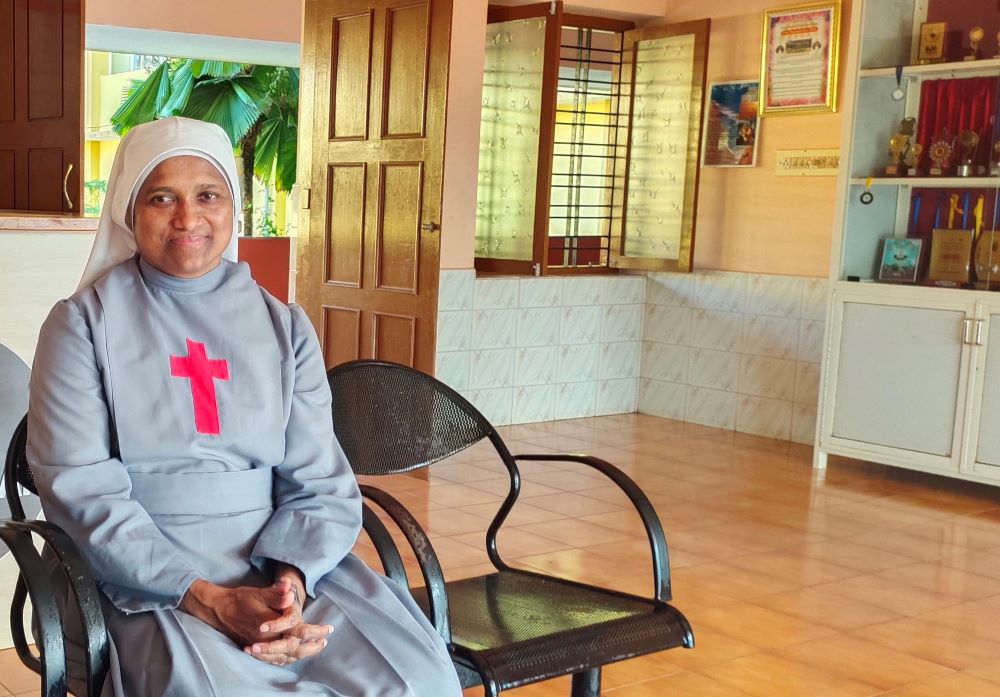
452, 368
616, 396
619, 360
581, 325
676, 289
811, 341
719, 370
494, 404
814, 298
807, 383
803, 423
624, 290
457, 289
667, 362
661, 398
454, 331
575, 400
771, 336
666, 324
779, 296
721, 331
533, 403
537, 365
494, 329
770, 418
540, 292
579, 362
622, 323
767, 377
582, 290
495, 294
538, 326
710, 407
491, 368
720, 290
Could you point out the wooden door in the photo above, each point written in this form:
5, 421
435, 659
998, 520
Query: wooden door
41, 110
375, 76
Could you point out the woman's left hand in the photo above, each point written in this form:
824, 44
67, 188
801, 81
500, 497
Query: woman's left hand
298, 640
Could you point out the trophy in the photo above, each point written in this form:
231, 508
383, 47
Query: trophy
969, 143
987, 260
976, 35
995, 160
912, 160
941, 151
998, 45
899, 145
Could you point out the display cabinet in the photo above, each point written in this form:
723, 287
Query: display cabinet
910, 376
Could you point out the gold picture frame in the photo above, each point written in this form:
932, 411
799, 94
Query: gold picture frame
930, 48
800, 58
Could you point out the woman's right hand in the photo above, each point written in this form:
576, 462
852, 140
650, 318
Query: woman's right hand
239, 613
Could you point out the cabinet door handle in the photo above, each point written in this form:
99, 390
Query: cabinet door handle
966, 330
979, 332
69, 201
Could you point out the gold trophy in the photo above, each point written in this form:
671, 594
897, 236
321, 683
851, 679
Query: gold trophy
995, 160
969, 142
976, 34
912, 160
941, 151
899, 145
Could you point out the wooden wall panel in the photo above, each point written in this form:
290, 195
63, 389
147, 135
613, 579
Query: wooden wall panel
345, 223
349, 87
6, 179
45, 166
404, 100
399, 232
394, 337
45, 56
6, 61
341, 335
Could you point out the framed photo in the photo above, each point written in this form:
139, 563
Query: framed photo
931, 46
799, 59
731, 124
900, 259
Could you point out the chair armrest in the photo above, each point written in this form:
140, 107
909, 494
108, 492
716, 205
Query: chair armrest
88, 600
657, 539
430, 567
51, 664
388, 553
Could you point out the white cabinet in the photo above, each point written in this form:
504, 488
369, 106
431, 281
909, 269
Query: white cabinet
911, 371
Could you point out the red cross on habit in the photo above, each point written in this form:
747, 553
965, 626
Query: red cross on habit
202, 372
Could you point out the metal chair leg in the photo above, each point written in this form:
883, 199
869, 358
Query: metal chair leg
587, 683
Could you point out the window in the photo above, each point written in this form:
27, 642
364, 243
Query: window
589, 137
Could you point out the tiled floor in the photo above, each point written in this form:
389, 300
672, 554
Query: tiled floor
866, 581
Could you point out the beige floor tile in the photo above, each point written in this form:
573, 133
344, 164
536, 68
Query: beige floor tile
898, 597
766, 675
827, 609
954, 685
759, 626
954, 648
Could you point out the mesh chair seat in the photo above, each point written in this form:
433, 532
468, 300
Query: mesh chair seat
528, 627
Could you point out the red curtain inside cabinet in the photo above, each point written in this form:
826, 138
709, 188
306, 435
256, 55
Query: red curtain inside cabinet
952, 106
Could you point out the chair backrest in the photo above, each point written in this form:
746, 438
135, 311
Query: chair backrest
390, 418
16, 471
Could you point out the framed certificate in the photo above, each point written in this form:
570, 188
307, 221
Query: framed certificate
799, 59
900, 259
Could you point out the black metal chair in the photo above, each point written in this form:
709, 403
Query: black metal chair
34, 582
511, 627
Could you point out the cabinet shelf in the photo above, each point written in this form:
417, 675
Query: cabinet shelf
931, 182
980, 68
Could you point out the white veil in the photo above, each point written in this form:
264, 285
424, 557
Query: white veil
141, 150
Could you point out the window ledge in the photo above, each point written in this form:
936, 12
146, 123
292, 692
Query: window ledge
20, 222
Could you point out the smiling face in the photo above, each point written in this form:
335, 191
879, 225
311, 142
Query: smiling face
183, 217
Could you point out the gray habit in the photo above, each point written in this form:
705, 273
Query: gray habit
181, 429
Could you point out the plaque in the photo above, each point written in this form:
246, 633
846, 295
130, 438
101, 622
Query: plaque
951, 257
900, 259
987, 260
931, 46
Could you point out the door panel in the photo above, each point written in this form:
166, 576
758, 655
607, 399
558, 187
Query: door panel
41, 106
406, 68
352, 45
374, 89
988, 429
399, 227
341, 334
345, 223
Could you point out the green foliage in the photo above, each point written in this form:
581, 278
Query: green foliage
94, 191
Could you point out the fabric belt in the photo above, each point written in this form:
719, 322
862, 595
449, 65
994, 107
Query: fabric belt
203, 493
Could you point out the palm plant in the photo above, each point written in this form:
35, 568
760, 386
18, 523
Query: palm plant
256, 105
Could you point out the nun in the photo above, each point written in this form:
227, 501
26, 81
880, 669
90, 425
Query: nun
180, 432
